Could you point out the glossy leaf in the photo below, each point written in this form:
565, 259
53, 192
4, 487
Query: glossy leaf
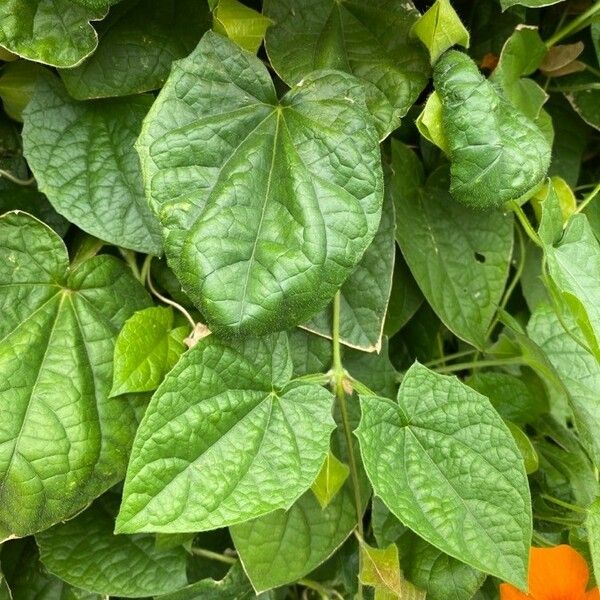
459, 256
62, 440
369, 40
497, 153
446, 465
366, 293
146, 350
429, 123
83, 160
138, 41
224, 440
54, 32
330, 479
85, 553
249, 189
240, 23
440, 28
578, 369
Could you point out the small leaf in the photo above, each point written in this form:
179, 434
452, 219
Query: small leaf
17, 82
473, 503
224, 440
497, 153
83, 158
138, 42
54, 32
241, 24
560, 60
146, 350
330, 479
528, 453
85, 553
429, 123
440, 28
381, 568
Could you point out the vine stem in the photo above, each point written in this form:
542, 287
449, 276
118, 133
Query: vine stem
478, 364
228, 560
574, 26
527, 226
15, 179
437, 361
563, 504
588, 198
340, 393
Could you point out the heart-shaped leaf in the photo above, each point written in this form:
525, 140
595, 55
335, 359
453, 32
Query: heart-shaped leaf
250, 189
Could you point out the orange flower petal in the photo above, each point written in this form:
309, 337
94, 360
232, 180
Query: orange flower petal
558, 573
509, 592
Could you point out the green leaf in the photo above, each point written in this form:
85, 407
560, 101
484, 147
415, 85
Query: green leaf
85, 553
387, 529
138, 41
370, 40
529, 3
81, 154
381, 568
330, 480
63, 440
549, 205
241, 24
592, 523
250, 189
522, 54
54, 32
459, 257
224, 440
366, 293
440, 28
16, 86
528, 453
446, 465
497, 153
146, 350
440, 575
4, 589
429, 123
573, 265
578, 369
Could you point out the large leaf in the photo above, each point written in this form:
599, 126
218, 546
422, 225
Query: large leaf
365, 294
446, 465
225, 439
459, 256
497, 154
138, 41
250, 189
370, 40
85, 553
578, 369
55, 32
63, 441
82, 156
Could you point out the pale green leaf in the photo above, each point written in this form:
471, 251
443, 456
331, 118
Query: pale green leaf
138, 41
146, 350
368, 39
528, 453
240, 23
63, 440
250, 189
366, 293
529, 3
330, 480
592, 523
83, 158
429, 123
17, 81
440, 28
225, 440
459, 257
578, 369
497, 154
380, 568
85, 553
446, 465
54, 32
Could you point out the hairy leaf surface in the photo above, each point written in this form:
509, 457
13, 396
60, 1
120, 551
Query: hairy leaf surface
63, 441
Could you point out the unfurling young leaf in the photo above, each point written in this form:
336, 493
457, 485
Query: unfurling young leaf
241, 24
330, 479
497, 154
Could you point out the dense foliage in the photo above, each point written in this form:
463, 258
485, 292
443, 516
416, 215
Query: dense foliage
298, 299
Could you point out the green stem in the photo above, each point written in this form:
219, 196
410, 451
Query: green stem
130, 258
574, 26
479, 364
228, 560
527, 226
449, 357
592, 70
15, 179
338, 386
557, 520
588, 198
325, 592
541, 541
563, 504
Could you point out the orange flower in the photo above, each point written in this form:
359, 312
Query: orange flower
558, 573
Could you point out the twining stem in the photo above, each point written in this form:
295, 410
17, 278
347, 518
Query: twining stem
541, 541
588, 198
449, 357
563, 504
574, 26
155, 292
15, 179
130, 259
527, 226
338, 388
228, 560
479, 364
